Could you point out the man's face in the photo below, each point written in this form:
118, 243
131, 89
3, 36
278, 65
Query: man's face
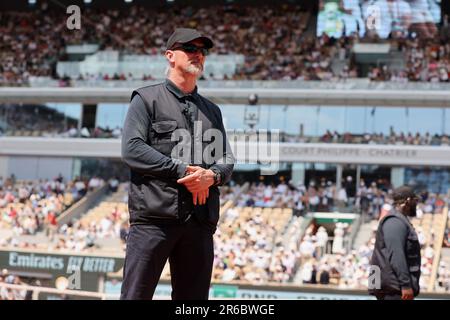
411, 207
188, 62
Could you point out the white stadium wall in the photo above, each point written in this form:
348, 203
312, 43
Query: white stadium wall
394, 155
32, 168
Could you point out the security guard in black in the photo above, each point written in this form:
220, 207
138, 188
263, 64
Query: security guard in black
397, 250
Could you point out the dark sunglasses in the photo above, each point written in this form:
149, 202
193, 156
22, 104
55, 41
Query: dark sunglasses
190, 48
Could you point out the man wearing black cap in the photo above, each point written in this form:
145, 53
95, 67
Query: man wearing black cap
174, 195
397, 251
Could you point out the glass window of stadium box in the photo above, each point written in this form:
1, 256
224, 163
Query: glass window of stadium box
100, 167
249, 172
435, 180
40, 120
110, 118
340, 123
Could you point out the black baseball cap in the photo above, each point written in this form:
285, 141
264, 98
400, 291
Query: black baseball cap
184, 35
402, 193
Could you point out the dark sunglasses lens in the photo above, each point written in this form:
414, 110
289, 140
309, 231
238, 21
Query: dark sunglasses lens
190, 49
194, 49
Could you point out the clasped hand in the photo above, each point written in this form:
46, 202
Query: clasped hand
197, 181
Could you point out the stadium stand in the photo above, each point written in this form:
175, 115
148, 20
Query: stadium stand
29, 209
268, 232
275, 41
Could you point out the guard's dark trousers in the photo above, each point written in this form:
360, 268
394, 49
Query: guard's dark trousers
389, 297
190, 251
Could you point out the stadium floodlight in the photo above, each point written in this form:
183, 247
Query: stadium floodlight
252, 111
31, 2
253, 99
87, 1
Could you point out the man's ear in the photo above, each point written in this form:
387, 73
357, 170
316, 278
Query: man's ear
169, 55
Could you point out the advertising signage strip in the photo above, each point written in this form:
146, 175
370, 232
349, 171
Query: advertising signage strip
58, 263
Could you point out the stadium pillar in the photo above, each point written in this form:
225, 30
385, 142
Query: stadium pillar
445, 10
339, 169
4, 167
443, 121
298, 173
88, 116
358, 177
76, 168
397, 176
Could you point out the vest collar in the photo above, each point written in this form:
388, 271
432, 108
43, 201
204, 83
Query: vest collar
399, 215
177, 91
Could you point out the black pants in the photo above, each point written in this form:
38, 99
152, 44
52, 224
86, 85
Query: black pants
390, 297
189, 248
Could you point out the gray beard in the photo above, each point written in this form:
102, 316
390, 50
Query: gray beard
192, 69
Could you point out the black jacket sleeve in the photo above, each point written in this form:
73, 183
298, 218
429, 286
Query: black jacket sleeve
225, 164
395, 234
140, 156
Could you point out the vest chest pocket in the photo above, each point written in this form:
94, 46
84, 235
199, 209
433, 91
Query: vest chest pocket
162, 131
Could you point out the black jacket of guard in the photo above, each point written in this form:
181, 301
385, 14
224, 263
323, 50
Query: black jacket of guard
148, 141
397, 254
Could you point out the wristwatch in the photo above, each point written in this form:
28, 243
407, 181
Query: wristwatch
217, 177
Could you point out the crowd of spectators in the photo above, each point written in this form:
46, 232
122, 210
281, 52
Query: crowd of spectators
33, 41
392, 138
32, 120
77, 235
443, 273
26, 206
246, 247
346, 268
107, 221
274, 39
13, 294
443, 276
425, 60
260, 239
84, 236
319, 195
41, 121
